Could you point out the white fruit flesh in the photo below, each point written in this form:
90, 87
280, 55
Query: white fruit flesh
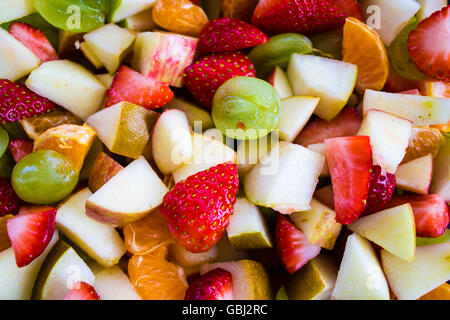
186, 258
250, 152
278, 79
320, 148
106, 79
441, 175
198, 118
14, 9
428, 7
415, 176
89, 54
122, 9
140, 22
113, 284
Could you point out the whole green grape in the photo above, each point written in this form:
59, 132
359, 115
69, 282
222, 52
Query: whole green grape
246, 108
44, 177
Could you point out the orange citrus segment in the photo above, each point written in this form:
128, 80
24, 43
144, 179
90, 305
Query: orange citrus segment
440, 293
239, 9
361, 45
5, 243
423, 140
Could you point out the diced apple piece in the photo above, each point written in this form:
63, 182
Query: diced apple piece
295, 113
288, 183
106, 79
389, 137
163, 56
90, 55
441, 175
193, 112
320, 148
418, 109
113, 284
140, 22
428, 7
331, 80
415, 176
185, 258
121, 9
411, 280
102, 171
14, 9
278, 79
318, 224
360, 276
69, 85
250, 152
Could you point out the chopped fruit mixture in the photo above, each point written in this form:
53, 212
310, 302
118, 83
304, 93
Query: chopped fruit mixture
225, 150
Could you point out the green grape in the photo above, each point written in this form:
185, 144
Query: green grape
6, 165
4, 141
44, 177
74, 15
246, 108
329, 43
426, 241
278, 51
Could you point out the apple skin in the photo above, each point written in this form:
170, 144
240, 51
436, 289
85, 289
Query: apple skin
111, 217
278, 79
102, 171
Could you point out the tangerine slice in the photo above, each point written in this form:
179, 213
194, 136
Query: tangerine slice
361, 45
239, 9
5, 243
440, 293
423, 140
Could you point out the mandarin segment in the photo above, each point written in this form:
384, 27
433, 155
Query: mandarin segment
423, 140
240, 9
5, 243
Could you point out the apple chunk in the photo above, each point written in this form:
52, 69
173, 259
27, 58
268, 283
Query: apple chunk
320, 148
415, 176
103, 169
196, 116
113, 284
15, 9
121, 9
441, 175
278, 79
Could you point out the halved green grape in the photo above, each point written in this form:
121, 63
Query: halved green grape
44, 177
426, 241
74, 15
278, 51
4, 141
6, 165
246, 108
329, 43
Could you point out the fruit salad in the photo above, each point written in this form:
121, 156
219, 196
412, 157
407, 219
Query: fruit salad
225, 150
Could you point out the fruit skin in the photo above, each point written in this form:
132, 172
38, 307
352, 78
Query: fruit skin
20, 148
240, 9
351, 7
203, 77
9, 201
381, 189
82, 291
197, 209
30, 232
213, 285
102, 171
428, 45
229, 34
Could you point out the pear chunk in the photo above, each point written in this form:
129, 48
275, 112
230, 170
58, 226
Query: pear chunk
113, 284
121, 9
415, 175
14, 9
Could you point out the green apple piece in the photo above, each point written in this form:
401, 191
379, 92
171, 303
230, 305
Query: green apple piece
360, 276
389, 136
121, 9
331, 80
128, 130
63, 267
185, 258
428, 7
16, 60
106, 79
314, 281
130, 195
17, 283
295, 113
93, 59
113, 284
250, 279
420, 110
278, 79
100, 241
63, 81
318, 224
441, 175
420, 241
388, 18
392, 229
415, 176
140, 22
288, 182
163, 56
171, 141
193, 112
15, 9
248, 228
110, 44
320, 148
411, 280
250, 152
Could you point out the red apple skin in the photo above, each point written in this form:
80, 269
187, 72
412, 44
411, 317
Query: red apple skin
114, 218
102, 171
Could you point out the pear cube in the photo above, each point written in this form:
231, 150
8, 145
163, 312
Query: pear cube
415, 175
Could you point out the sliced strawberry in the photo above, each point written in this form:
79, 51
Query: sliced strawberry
346, 123
429, 45
203, 77
30, 232
229, 34
431, 213
33, 39
18, 102
131, 86
9, 201
301, 16
351, 7
198, 208
213, 285
293, 248
82, 291
350, 161
382, 187
19, 148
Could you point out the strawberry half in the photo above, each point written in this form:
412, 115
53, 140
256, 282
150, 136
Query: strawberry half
429, 45
131, 86
33, 39
301, 16
382, 187
293, 248
9, 201
213, 285
229, 34
198, 208
350, 161
20, 148
82, 291
30, 232
203, 77
18, 102
351, 7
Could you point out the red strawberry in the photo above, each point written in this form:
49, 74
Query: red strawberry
213, 285
9, 201
431, 213
18, 102
351, 7
33, 39
293, 248
19, 148
429, 45
350, 161
301, 16
129, 85
82, 291
346, 123
203, 77
30, 232
382, 187
197, 208
229, 34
